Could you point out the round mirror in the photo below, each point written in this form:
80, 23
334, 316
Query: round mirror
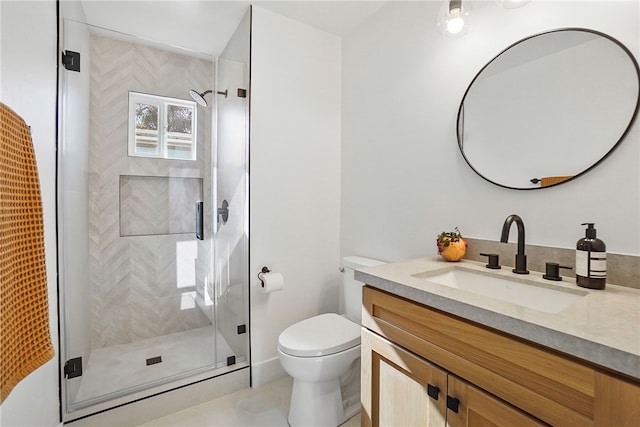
548, 108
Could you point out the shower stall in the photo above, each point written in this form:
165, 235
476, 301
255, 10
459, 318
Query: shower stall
152, 216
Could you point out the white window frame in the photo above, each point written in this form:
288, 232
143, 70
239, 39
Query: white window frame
163, 103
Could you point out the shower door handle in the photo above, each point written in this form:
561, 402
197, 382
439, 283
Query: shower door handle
199, 220
223, 212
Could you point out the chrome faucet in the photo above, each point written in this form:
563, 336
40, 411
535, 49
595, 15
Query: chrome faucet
521, 258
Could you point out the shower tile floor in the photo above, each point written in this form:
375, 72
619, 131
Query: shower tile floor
267, 405
124, 366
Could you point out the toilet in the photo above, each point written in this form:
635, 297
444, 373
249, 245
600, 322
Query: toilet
322, 354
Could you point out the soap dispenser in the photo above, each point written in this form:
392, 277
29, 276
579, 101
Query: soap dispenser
591, 260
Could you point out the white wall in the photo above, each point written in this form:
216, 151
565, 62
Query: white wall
403, 177
294, 178
28, 49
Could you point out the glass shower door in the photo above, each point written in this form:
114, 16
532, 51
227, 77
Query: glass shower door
137, 298
232, 226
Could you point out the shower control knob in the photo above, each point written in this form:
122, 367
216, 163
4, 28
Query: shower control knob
223, 212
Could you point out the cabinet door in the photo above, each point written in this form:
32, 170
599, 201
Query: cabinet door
617, 402
476, 408
398, 388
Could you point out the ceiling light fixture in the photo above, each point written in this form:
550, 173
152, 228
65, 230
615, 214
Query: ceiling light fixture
451, 19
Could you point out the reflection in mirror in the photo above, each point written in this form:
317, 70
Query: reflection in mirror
548, 108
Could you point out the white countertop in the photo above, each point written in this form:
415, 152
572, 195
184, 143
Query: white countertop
602, 327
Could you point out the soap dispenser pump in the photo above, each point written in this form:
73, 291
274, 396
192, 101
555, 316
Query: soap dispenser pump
591, 260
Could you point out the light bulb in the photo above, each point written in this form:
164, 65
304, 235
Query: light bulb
455, 22
452, 19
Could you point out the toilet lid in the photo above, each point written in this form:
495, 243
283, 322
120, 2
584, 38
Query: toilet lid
319, 336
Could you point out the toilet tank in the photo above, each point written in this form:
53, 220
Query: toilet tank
351, 288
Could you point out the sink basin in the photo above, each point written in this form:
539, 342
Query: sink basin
517, 291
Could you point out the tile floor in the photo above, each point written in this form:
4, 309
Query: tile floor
122, 367
267, 405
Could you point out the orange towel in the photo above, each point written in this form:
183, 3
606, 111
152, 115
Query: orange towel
25, 342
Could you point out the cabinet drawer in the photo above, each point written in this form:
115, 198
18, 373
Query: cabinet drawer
553, 388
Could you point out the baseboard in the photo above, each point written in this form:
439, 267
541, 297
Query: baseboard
266, 372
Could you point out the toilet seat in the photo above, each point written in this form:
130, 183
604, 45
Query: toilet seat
321, 335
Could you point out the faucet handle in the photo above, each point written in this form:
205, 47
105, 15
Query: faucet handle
494, 261
553, 271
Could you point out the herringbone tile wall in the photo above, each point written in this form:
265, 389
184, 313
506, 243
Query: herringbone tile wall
134, 286
158, 205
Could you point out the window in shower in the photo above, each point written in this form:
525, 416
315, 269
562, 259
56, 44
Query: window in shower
161, 127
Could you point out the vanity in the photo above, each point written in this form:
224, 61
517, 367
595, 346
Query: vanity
457, 344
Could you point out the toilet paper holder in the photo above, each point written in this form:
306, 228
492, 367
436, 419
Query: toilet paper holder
264, 270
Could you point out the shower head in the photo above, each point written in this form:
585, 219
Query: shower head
199, 97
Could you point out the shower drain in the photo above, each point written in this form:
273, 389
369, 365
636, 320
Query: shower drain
154, 360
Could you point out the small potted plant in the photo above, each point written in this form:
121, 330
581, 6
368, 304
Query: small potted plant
451, 245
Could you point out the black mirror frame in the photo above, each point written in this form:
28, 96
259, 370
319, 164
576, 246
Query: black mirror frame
460, 116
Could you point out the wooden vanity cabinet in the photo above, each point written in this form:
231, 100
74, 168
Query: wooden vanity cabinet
410, 351
405, 390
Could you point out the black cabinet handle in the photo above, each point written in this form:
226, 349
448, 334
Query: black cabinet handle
433, 391
453, 403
